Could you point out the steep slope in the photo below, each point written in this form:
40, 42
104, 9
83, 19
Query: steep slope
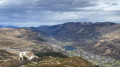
23, 38
17, 37
100, 38
79, 30
6, 56
13, 41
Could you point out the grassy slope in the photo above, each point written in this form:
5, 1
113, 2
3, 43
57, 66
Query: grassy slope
62, 62
18, 38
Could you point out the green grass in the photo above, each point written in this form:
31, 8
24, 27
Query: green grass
53, 54
40, 39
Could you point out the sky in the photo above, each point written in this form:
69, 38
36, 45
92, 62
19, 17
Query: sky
27, 13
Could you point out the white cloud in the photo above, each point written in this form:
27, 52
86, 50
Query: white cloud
17, 3
55, 11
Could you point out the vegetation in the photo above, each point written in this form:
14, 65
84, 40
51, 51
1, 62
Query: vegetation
54, 59
61, 62
40, 39
53, 54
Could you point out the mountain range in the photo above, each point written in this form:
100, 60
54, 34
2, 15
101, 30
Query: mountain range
100, 38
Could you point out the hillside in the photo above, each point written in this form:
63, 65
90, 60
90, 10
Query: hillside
17, 37
23, 38
100, 38
51, 59
12, 41
61, 62
79, 31
5, 57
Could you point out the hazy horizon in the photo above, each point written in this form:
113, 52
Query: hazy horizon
48, 25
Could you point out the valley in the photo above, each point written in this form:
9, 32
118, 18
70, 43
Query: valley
59, 33
97, 43
96, 59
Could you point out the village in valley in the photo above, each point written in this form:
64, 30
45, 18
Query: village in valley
79, 51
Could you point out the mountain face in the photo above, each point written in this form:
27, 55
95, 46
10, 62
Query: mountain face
101, 38
4, 55
23, 38
13, 41
77, 31
14, 37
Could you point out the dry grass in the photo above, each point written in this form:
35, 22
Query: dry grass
62, 62
19, 38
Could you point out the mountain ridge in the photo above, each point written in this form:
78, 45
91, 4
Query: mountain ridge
101, 38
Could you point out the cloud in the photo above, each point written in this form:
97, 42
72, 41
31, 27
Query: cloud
41, 12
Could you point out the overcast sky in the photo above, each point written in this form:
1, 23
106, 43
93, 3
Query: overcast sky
50, 12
